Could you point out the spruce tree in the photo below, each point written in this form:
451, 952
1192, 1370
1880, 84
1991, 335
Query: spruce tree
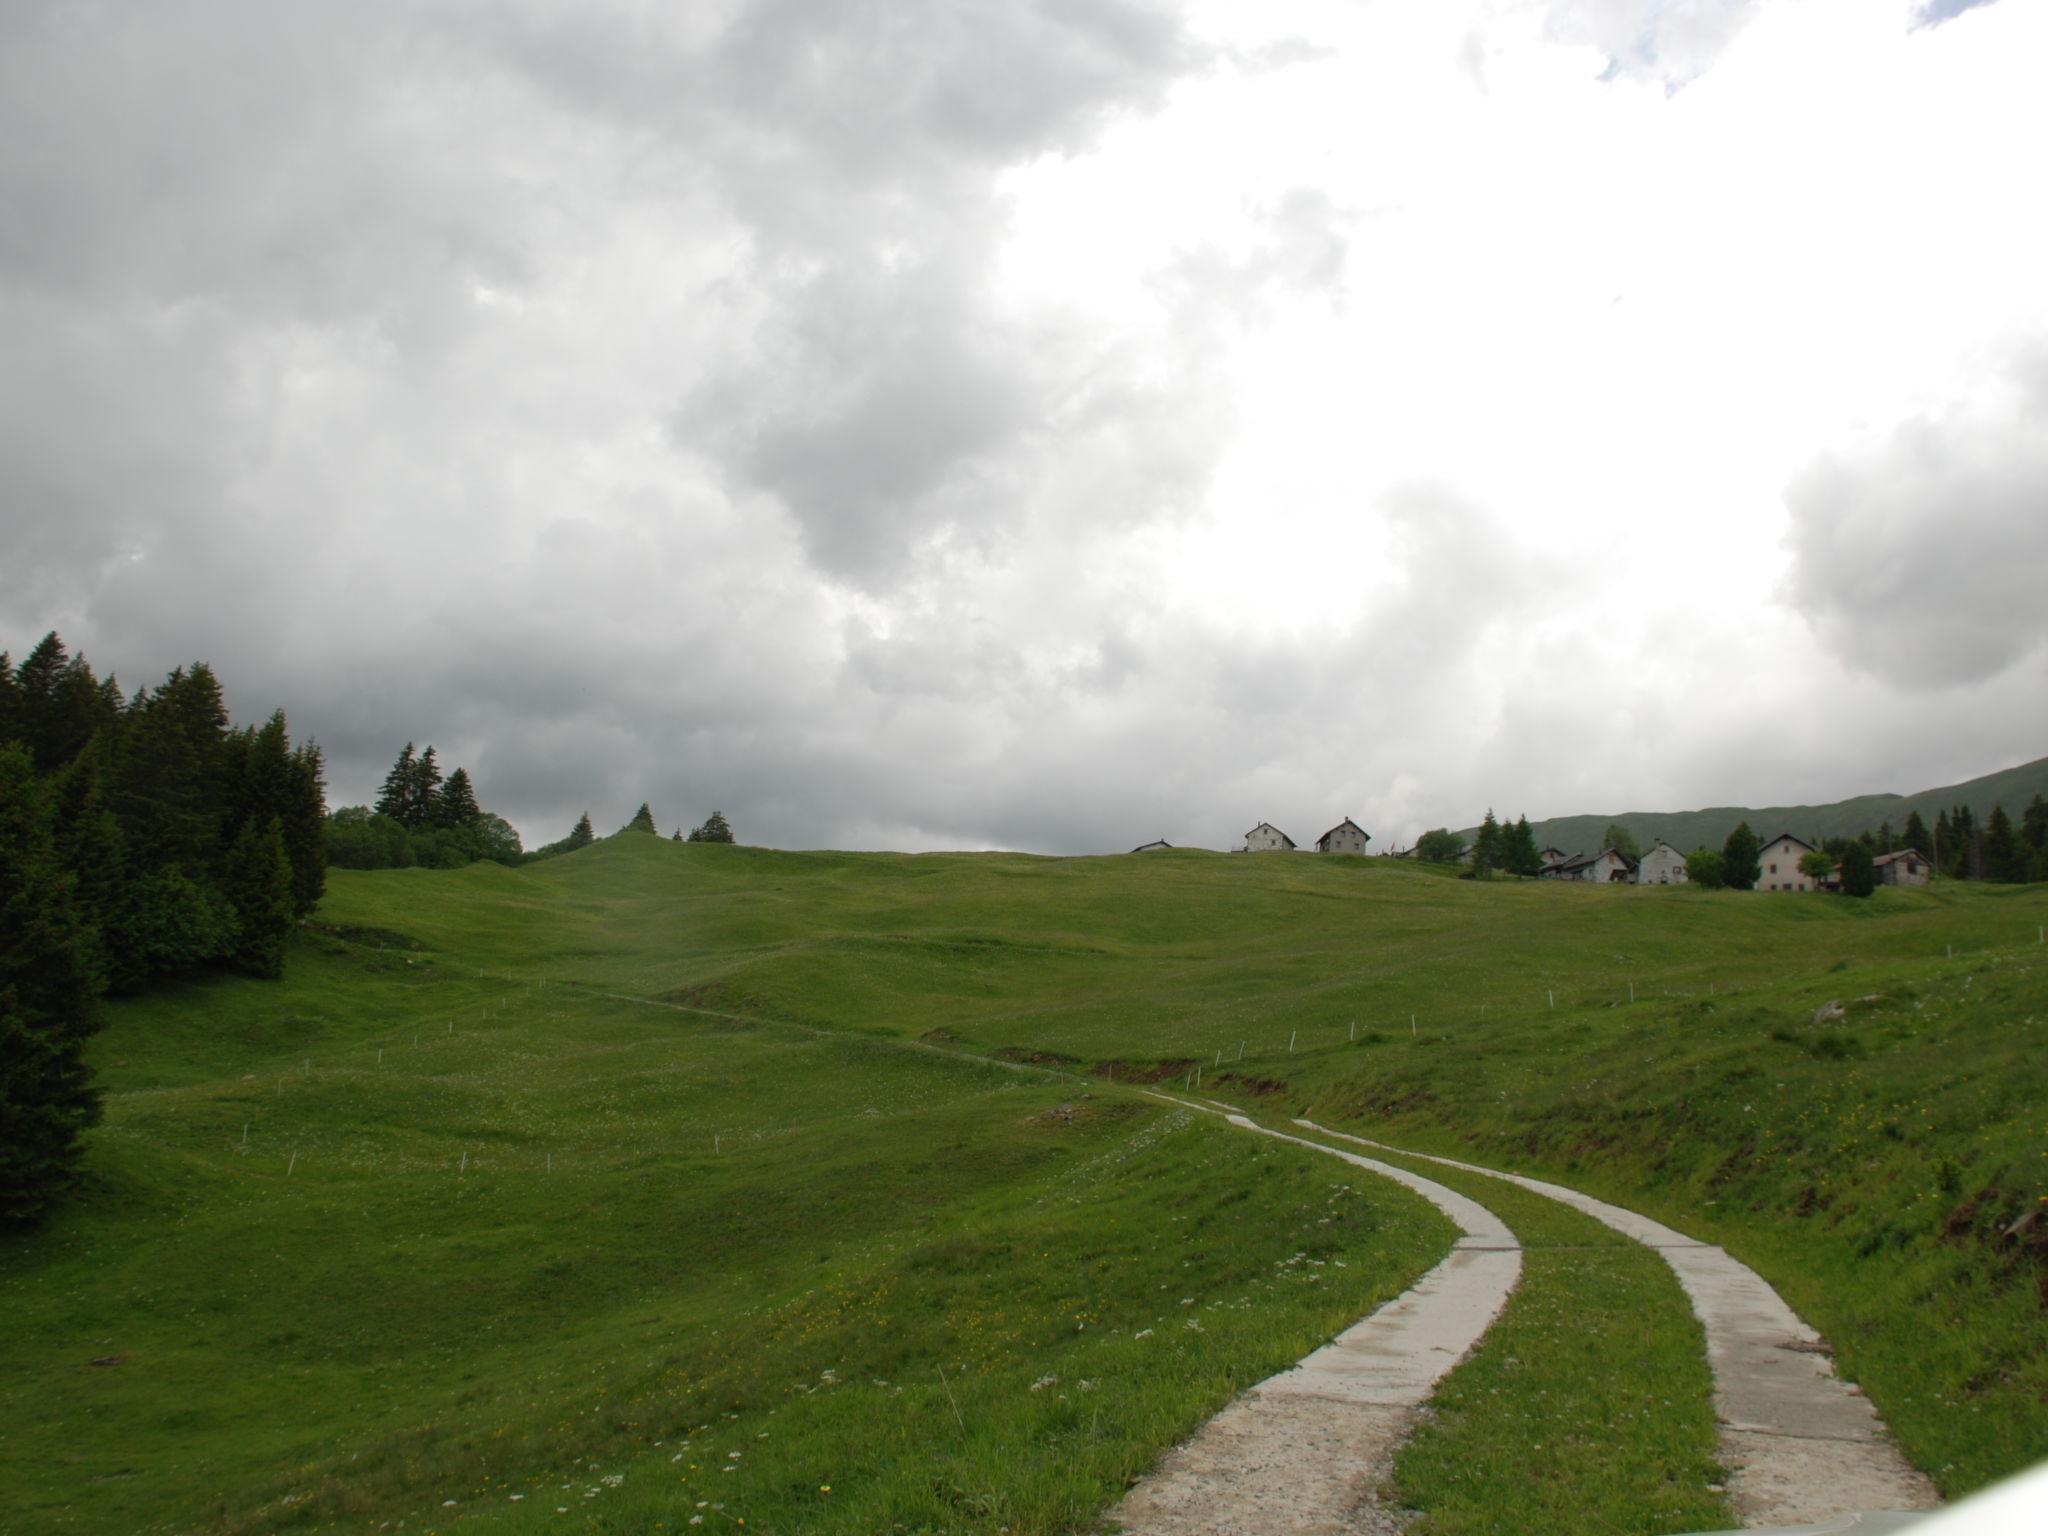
457, 805
2034, 839
1915, 834
1523, 856
582, 834
715, 830
168, 789
396, 794
2002, 849
88, 843
1739, 864
305, 828
425, 797
49, 983
1486, 847
643, 820
1859, 871
258, 883
10, 702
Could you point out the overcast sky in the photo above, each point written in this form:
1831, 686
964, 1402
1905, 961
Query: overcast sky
1045, 424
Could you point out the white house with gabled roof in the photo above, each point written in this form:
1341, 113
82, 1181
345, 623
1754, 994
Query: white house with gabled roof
1778, 865
1662, 865
1267, 838
1345, 837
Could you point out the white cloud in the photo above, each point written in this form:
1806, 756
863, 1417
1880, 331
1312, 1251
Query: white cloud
1051, 426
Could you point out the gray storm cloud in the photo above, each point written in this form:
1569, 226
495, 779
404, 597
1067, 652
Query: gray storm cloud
629, 401
1923, 558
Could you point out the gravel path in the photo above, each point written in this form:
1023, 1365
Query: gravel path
1801, 1445
1304, 1453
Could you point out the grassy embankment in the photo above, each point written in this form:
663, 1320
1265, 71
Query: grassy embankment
410, 1228
380, 1328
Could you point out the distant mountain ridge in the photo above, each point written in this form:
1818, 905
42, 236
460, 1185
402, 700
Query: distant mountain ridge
1686, 830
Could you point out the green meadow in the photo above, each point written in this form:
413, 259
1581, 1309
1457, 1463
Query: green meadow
668, 1186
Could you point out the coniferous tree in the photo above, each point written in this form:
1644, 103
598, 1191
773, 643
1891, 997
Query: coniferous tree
1523, 856
2002, 849
715, 830
1739, 863
643, 820
88, 842
304, 821
1915, 834
1885, 837
582, 834
49, 983
258, 881
425, 794
1859, 871
10, 702
1486, 846
396, 794
169, 793
457, 805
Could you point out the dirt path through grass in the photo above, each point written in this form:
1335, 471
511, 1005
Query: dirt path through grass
1305, 1452
1801, 1445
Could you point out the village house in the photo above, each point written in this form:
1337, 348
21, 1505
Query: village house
1908, 866
1345, 837
1150, 847
1609, 866
1554, 860
1267, 838
1778, 862
1662, 865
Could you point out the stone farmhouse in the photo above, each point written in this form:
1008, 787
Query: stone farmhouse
1609, 866
1908, 866
1345, 837
1662, 865
1778, 862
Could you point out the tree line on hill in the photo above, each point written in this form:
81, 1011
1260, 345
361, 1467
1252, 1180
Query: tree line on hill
425, 820
1957, 847
421, 820
140, 838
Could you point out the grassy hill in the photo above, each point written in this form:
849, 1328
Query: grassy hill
815, 1187
1686, 830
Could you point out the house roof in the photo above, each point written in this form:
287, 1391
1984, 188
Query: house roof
1900, 853
1787, 837
1346, 822
1660, 843
1156, 843
1267, 826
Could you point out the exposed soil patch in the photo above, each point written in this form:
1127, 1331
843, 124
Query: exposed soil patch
1263, 1087
1144, 1071
939, 1036
1029, 1057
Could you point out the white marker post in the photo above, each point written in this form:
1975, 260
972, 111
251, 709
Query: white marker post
288, 1167
1290, 1040
1553, 998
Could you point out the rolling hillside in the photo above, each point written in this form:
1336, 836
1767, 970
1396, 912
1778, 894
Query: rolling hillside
820, 1190
1686, 830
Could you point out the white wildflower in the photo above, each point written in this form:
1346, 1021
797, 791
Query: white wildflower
1043, 1382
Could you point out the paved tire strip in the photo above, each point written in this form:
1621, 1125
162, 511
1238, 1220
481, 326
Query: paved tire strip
1800, 1444
1304, 1452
